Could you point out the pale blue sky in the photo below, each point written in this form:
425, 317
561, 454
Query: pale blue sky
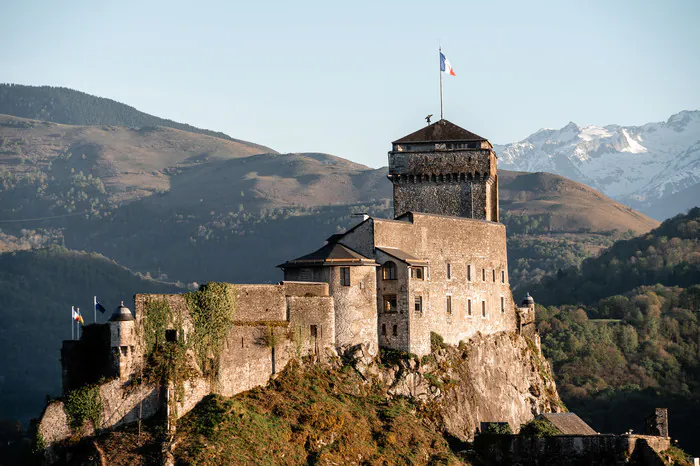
349, 77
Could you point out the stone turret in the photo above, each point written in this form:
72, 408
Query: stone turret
122, 330
447, 170
526, 317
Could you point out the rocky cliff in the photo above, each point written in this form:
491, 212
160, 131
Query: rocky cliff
496, 378
353, 408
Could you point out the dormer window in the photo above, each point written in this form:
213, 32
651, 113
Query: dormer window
389, 271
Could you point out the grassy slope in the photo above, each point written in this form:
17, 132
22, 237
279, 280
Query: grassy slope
37, 290
71, 107
311, 416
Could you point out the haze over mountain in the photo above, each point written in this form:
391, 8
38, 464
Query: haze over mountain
654, 168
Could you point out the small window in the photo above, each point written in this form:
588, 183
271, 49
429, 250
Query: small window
469, 273
483, 275
418, 304
483, 308
503, 304
469, 307
503, 276
395, 330
171, 335
384, 329
345, 276
494, 275
390, 303
417, 273
314, 331
389, 271
449, 270
449, 304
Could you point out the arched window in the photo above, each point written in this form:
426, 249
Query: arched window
389, 271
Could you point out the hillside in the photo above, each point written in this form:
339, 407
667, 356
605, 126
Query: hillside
71, 107
668, 255
622, 331
183, 205
37, 290
654, 168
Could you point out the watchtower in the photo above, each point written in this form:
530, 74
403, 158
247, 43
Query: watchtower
122, 340
444, 169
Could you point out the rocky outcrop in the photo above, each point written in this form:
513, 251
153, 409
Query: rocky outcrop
496, 378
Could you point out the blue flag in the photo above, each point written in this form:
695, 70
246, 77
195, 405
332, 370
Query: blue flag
99, 307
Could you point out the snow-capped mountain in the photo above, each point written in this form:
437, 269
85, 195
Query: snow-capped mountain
640, 166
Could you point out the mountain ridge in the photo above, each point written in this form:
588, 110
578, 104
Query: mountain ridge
640, 166
69, 106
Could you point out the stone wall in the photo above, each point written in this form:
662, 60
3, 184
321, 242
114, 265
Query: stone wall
355, 306
394, 330
571, 450
459, 183
273, 324
476, 252
121, 404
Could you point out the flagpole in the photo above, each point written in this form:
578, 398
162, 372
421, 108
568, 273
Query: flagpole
442, 114
94, 308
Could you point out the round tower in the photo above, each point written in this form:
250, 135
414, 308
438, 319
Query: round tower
122, 330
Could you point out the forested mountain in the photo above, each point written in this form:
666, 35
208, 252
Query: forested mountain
668, 255
71, 107
37, 290
624, 331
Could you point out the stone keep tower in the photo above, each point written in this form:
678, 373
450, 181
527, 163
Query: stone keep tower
122, 334
444, 169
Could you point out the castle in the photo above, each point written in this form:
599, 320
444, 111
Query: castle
438, 267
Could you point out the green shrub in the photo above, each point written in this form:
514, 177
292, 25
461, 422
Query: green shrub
83, 404
539, 428
436, 342
498, 428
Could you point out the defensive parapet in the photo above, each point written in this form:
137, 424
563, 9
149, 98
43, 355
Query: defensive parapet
447, 170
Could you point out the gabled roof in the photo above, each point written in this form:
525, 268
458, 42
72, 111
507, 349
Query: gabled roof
440, 131
403, 256
331, 254
569, 424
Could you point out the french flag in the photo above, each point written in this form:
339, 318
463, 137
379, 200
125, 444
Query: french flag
445, 65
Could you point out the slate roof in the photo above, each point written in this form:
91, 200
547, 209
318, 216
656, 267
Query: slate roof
568, 424
403, 256
440, 131
330, 255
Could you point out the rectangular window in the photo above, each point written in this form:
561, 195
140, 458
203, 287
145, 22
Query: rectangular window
503, 304
390, 303
494, 275
395, 331
483, 308
417, 273
469, 273
449, 270
503, 276
449, 304
483, 275
418, 304
314, 331
345, 276
469, 307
